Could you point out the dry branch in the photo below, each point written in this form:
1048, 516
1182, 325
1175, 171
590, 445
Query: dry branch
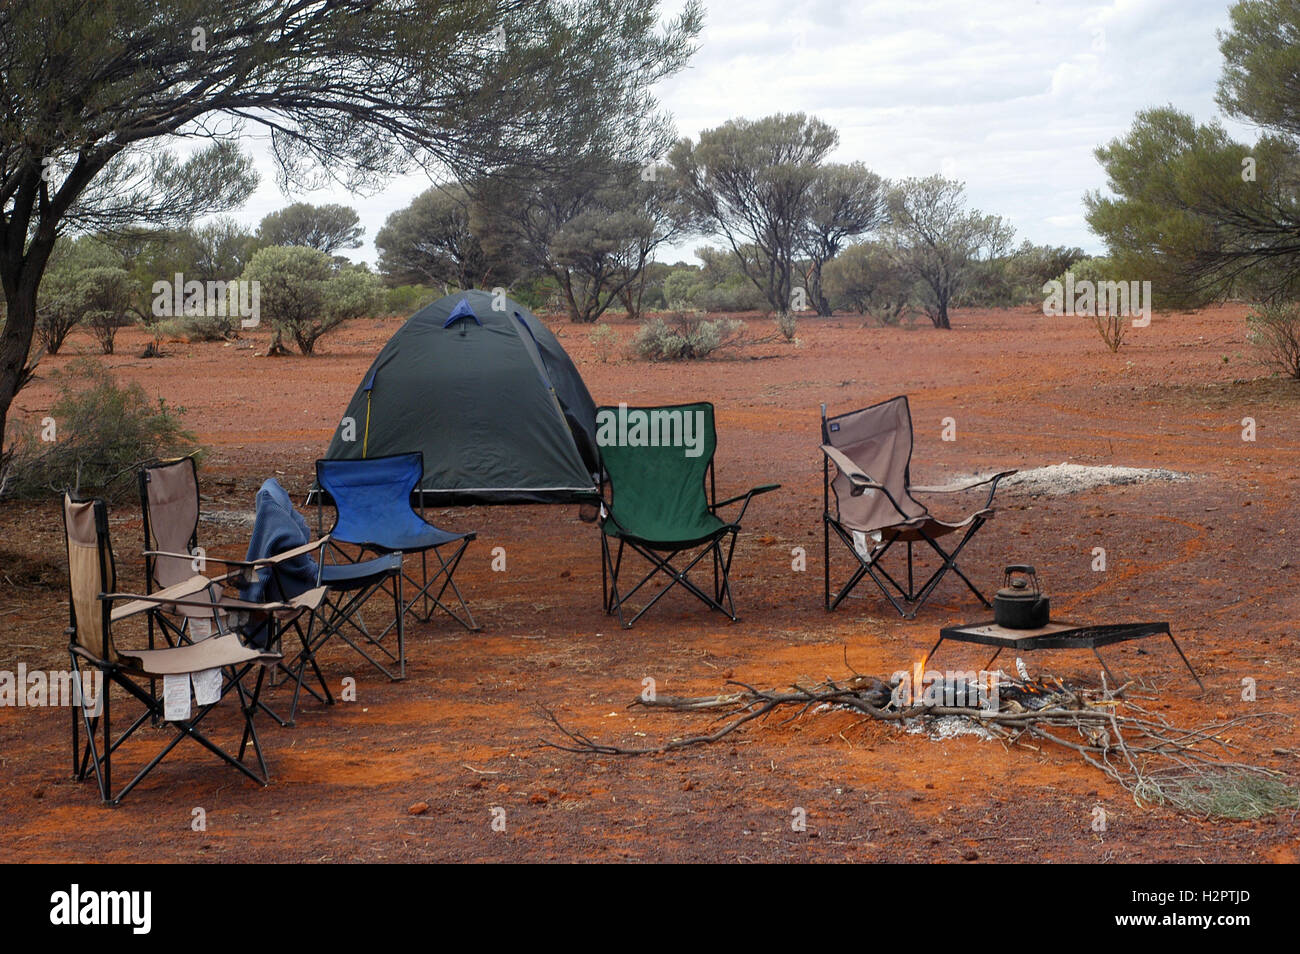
1152, 759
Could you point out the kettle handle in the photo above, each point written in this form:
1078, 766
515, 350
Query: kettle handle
1024, 569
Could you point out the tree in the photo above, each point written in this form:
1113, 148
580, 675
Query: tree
65, 304
105, 295
1198, 214
352, 90
326, 228
304, 295
865, 276
592, 229
750, 180
844, 202
1017, 278
435, 240
940, 244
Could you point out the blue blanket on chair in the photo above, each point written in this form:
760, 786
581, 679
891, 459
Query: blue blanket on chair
277, 527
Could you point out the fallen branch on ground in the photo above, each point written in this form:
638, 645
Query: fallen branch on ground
1152, 759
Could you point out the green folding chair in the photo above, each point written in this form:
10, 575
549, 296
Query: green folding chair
663, 503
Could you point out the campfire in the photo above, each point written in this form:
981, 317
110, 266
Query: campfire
1157, 762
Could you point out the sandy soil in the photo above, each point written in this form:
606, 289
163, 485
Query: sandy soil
1215, 556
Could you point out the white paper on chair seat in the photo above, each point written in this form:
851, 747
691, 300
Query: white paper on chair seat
860, 544
207, 687
176, 697
201, 629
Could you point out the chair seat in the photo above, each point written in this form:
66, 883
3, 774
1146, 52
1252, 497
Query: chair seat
408, 539
921, 527
212, 653
355, 576
675, 535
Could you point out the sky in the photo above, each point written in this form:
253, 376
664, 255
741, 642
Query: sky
1009, 96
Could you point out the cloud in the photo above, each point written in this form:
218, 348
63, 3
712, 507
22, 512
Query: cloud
1010, 96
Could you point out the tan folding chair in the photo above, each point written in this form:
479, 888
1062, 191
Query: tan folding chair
95, 608
871, 450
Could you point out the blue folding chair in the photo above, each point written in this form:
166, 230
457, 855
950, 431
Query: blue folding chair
372, 502
281, 552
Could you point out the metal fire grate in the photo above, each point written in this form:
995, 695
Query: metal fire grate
1058, 635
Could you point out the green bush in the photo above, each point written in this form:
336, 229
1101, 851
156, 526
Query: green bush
105, 303
305, 295
408, 299
94, 437
863, 277
1275, 330
604, 341
685, 335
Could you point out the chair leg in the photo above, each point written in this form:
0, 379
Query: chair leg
681, 577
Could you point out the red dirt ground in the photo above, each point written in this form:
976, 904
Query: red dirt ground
1215, 557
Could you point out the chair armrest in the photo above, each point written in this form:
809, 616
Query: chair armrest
968, 485
746, 497
858, 478
204, 558
291, 554
752, 492
992, 481
178, 594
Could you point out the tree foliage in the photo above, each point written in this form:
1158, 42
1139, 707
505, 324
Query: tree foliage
326, 228
865, 277
844, 202
751, 181
305, 295
1197, 213
435, 240
940, 243
350, 90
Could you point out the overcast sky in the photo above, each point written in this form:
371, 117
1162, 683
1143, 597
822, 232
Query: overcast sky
1010, 96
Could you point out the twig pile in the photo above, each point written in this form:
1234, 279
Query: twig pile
1154, 760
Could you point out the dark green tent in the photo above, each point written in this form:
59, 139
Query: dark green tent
484, 389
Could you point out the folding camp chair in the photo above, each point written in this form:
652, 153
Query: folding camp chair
281, 551
169, 504
92, 581
664, 503
871, 450
373, 513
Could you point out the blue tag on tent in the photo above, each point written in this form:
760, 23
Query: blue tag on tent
462, 310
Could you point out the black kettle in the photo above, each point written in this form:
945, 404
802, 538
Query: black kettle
1020, 604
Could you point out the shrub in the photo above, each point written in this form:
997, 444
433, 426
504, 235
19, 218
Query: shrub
101, 432
686, 335
604, 341
408, 299
56, 316
1275, 330
84, 275
864, 277
1112, 325
786, 323
202, 327
105, 296
305, 295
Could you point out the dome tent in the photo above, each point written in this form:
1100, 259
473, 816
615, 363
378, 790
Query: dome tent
491, 399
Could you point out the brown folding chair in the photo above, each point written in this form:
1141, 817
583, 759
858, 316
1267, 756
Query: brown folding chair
169, 504
95, 608
871, 450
